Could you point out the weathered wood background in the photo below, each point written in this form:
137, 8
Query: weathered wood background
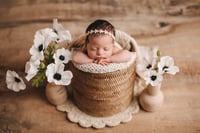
173, 25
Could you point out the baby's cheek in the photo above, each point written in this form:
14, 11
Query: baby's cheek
109, 53
92, 55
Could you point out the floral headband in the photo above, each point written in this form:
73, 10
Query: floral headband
100, 32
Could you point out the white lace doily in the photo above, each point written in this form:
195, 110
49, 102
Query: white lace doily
77, 116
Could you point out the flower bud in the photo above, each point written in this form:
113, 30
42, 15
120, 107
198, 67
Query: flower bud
159, 53
42, 65
55, 46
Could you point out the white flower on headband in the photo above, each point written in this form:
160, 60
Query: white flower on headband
100, 32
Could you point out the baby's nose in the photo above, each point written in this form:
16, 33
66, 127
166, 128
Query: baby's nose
99, 52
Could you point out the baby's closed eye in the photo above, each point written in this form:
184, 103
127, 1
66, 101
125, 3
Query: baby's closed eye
93, 49
106, 49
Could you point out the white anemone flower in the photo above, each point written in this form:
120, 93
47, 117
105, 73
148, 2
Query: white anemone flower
37, 49
154, 78
62, 56
14, 82
62, 34
31, 69
147, 60
55, 74
166, 65
42, 39
149, 53
49, 35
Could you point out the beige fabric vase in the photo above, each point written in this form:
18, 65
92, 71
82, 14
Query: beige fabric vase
56, 94
151, 99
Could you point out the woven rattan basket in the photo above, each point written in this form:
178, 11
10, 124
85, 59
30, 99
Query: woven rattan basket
104, 94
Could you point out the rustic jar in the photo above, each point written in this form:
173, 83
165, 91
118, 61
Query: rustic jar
151, 99
56, 94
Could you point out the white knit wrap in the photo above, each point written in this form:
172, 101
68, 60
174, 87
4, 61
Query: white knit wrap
96, 68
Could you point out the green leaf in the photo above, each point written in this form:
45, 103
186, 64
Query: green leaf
39, 79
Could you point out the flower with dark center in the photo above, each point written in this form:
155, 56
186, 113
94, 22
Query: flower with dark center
149, 66
153, 77
166, 65
14, 82
164, 68
62, 33
62, 58
17, 80
55, 31
40, 48
57, 76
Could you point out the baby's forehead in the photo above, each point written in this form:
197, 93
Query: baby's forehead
98, 35
100, 43
100, 38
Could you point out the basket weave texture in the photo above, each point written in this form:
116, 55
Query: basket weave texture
104, 94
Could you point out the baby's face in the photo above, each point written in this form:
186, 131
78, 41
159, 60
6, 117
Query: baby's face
100, 46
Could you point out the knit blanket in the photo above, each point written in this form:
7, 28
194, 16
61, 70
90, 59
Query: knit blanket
97, 68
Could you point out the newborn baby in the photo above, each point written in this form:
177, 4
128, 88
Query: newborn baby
100, 46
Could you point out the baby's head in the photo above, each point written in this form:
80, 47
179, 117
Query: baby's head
100, 36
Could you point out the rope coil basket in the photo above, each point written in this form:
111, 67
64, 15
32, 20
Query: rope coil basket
104, 94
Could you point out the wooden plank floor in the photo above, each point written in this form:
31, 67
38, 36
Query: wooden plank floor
29, 111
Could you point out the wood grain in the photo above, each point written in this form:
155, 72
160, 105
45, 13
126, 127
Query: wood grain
29, 111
